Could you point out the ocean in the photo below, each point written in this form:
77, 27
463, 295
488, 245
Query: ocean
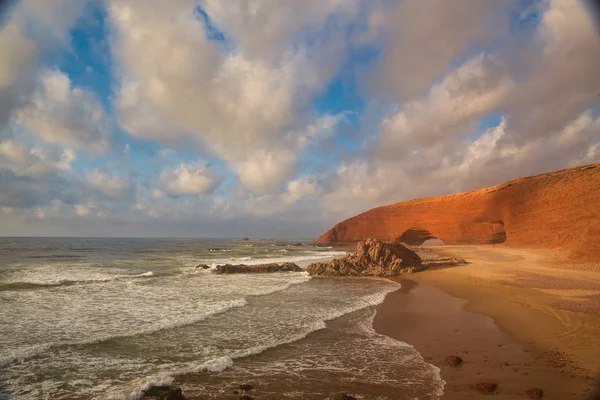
92, 318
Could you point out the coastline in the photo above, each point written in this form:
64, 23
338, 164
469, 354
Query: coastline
508, 316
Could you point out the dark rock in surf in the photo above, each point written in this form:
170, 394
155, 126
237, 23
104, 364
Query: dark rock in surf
454, 360
202, 266
344, 396
257, 269
372, 258
484, 387
246, 238
535, 393
164, 393
246, 397
245, 387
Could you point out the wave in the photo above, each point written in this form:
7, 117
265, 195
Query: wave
136, 389
33, 351
227, 361
307, 256
24, 354
53, 256
25, 285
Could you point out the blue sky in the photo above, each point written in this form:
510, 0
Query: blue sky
279, 118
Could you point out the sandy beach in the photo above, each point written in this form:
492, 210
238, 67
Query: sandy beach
518, 318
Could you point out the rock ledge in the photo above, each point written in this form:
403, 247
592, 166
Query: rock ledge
372, 258
260, 268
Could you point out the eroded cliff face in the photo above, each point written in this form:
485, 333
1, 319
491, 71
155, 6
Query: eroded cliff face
557, 210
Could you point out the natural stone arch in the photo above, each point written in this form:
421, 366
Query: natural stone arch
499, 235
415, 236
433, 242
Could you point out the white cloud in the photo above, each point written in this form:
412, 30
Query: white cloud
263, 171
62, 114
242, 106
189, 179
35, 27
83, 209
562, 79
39, 162
108, 183
439, 67
298, 189
476, 88
423, 38
264, 29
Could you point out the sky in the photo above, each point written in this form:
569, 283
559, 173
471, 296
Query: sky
279, 118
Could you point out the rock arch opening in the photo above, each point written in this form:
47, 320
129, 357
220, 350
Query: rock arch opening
416, 236
499, 233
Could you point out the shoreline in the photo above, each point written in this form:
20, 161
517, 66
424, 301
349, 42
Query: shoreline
509, 331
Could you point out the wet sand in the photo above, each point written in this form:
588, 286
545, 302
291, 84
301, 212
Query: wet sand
515, 319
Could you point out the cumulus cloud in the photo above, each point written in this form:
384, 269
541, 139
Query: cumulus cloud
265, 29
299, 189
449, 109
312, 110
62, 114
108, 183
423, 39
37, 163
189, 179
243, 106
426, 147
34, 28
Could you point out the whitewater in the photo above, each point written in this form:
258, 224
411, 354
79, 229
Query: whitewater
106, 318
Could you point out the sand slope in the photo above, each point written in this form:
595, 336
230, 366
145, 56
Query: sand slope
557, 210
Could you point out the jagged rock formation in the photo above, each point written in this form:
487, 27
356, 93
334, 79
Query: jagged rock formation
557, 210
260, 268
169, 392
438, 262
372, 258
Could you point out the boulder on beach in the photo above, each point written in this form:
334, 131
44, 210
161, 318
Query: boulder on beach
202, 266
246, 238
169, 392
438, 262
259, 268
372, 258
454, 360
344, 396
245, 387
535, 393
484, 387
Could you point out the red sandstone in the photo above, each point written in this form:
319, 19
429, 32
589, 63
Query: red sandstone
557, 210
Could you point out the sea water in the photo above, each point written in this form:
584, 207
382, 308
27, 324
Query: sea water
106, 318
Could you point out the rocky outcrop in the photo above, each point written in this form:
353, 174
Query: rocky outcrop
535, 393
439, 262
255, 269
372, 258
169, 392
558, 210
484, 387
454, 361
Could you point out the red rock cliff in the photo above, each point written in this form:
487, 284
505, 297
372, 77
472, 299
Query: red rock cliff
557, 210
